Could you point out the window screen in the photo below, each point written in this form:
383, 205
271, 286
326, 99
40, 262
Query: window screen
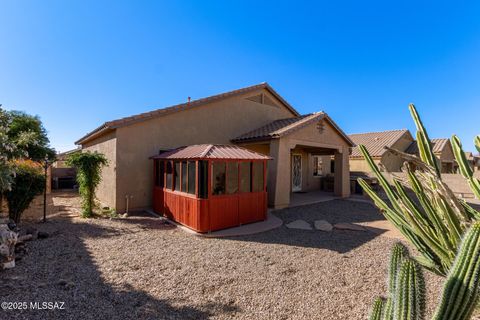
169, 175
192, 170
203, 179
176, 175
245, 176
184, 176
218, 178
257, 177
159, 173
232, 177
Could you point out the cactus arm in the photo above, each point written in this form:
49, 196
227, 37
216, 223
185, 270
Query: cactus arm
377, 310
463, 165
424, 147
410, 292
477, 142
391, 214
399, 253
381, 179
433, 216
461, 290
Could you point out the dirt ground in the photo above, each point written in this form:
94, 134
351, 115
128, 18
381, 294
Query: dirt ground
141, 268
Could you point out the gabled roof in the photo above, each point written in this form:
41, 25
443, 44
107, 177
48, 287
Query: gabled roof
282, 127
211, 151
111, 125
375, 142
437, 146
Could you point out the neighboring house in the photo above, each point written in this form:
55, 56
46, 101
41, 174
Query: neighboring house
255, 117
473, 161
476, 163
442, 149
375, 143
63, 176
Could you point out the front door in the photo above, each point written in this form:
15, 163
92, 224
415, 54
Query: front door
296, 172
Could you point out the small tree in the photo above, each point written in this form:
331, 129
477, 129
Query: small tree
28, 182
89, 168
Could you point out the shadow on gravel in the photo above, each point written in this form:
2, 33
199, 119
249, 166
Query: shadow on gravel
334, 211
61, 269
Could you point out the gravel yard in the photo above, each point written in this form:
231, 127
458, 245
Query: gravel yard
140, 268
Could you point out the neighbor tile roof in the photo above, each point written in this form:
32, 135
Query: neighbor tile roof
110, 125
279, 128
211, 151
437, 146
375, 142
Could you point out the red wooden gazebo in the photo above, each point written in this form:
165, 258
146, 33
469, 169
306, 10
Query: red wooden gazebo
210, 187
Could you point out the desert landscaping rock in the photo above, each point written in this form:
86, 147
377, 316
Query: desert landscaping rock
299, 224
141, 269
349, 226
323, 225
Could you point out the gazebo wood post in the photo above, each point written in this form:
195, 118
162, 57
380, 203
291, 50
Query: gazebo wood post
209, 192
265, 186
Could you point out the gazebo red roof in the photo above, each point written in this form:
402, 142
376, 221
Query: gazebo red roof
212, 151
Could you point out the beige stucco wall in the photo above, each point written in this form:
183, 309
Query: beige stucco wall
216, 123
263, 148
107, 145
308, 137
359, 164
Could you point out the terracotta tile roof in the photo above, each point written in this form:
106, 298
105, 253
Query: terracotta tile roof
375, 142
211, 151
437, 146
110, 125
279, 128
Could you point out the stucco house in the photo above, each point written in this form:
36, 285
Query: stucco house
442, 149
375, 142
473, 160
255, 117
402, 140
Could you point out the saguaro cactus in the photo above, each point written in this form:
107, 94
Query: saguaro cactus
460, 292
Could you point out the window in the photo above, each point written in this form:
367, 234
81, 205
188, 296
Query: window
159, 173
192, 170
257, 177
169, 175
245, 177
176, 175
218, 178
184, 176
317, 166
203, 179
232, 177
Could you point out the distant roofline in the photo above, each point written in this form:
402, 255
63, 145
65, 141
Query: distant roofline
112, 125
372, 132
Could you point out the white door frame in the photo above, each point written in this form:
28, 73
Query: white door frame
298, 187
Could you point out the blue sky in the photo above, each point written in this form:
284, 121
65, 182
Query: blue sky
77, 64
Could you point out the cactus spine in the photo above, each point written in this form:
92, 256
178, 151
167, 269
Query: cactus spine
460, 292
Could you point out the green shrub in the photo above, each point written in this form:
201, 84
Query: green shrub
28, 182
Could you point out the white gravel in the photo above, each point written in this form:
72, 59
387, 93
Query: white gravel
139, 268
